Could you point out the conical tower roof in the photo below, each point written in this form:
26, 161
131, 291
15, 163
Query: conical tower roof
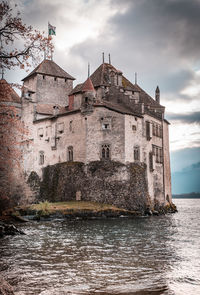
88, 85
50, 68
7, 93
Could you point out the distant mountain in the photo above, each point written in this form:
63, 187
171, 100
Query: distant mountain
187, 180
187, 196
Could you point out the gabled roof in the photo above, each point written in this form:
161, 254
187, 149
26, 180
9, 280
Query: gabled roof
7, 93
50, 68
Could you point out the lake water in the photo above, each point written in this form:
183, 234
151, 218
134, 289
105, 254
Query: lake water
153, 255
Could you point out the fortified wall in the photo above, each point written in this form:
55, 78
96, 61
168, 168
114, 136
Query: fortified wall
109, 182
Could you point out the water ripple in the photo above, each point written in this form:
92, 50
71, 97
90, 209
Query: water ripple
157, 255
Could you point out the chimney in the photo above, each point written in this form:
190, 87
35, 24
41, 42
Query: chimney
157, 95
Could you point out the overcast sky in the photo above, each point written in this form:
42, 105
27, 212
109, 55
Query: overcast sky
160, 40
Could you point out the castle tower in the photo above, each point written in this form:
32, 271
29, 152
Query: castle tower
157, 95
48, 84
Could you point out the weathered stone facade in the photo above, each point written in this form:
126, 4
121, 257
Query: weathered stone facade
106, 182
107, 121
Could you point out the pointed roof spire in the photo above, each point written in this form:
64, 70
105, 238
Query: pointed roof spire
157, 90
103, 57
2, 73
88, 70
88, 85
135, 77
109, 58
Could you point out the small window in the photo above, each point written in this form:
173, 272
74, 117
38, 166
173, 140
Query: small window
148, 130
70, 126
43, 77
41, 158
86, 99
134, 127
70, 155
65, 79
151, 168
55, 78
105, 126
40, 132
136, 153
105, 151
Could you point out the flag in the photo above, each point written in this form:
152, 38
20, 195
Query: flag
51, 30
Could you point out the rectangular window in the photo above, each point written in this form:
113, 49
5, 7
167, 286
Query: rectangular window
70, 126
158, 153
134, 127
157, 130
136, 153
41, 158
151, 168
148, 130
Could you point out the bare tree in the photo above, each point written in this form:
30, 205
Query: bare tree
19, 46
19, 43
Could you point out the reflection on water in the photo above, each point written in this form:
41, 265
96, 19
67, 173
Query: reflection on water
156, 255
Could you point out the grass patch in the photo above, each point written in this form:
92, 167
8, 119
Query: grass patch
72, 205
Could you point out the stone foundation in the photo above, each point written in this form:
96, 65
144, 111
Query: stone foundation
124, 186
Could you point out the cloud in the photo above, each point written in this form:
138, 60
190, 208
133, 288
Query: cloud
182, 158
189, 118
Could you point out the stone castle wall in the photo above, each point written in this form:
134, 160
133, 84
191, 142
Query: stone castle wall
108, 182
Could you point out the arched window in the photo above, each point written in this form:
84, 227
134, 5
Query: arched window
70, 155
105, 151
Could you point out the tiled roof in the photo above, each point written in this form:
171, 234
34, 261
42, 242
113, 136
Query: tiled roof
127, 85
77, 89
88, 86
118, 108
101, 75
47, 109
147, 99
49, 67
7, 93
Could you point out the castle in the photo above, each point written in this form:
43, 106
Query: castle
106, 119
